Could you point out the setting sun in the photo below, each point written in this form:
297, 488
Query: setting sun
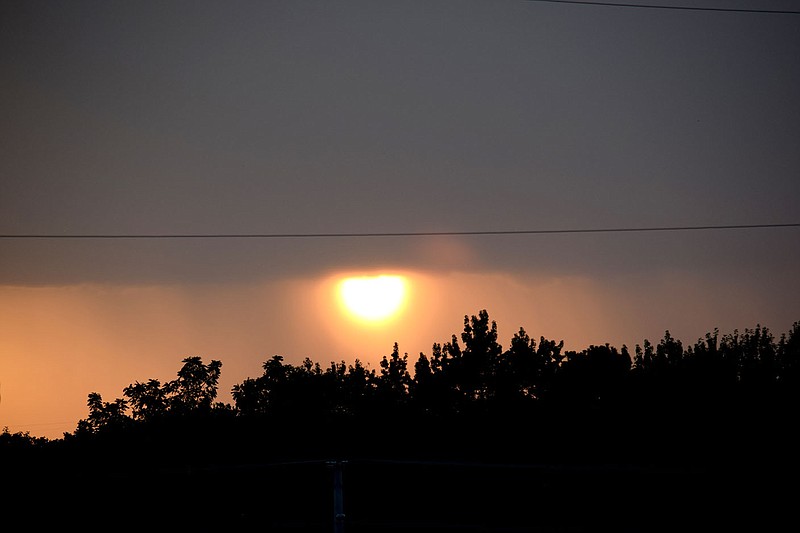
373, 298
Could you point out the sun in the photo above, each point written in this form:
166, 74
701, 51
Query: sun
373, 298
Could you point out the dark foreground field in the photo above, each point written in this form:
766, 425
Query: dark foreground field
423, 490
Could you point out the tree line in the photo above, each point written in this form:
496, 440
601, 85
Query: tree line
640, 438
472, 377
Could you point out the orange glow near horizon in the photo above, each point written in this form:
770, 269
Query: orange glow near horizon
60, 343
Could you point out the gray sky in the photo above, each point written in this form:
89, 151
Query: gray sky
403, 116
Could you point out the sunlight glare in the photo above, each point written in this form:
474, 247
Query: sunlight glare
373, 298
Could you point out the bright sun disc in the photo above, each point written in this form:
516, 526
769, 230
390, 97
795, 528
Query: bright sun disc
373, 298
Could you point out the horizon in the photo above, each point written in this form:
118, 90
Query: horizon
56, 430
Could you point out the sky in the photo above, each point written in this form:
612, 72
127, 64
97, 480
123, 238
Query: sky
313, 117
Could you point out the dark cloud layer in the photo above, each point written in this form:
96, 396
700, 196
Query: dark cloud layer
318, 117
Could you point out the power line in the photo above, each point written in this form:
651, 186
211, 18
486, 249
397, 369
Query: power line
679, 8
119, 236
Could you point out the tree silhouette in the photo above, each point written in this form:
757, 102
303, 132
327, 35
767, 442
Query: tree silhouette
192, 392
590, 377
604, 434
480, 358
717, 378
148, 400
195, 388
394, 382
103, 416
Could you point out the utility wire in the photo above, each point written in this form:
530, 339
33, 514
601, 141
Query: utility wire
679, 8
390, 234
